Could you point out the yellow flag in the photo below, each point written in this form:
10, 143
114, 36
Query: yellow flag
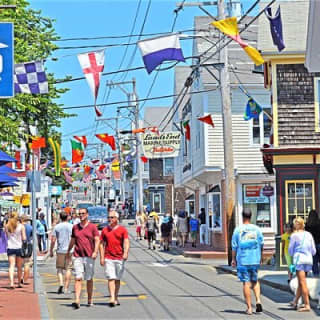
254, 54
228, 26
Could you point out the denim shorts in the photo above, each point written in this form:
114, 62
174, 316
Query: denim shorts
247, 273
14, 252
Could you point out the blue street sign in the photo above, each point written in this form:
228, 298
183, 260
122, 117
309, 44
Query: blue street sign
6, 60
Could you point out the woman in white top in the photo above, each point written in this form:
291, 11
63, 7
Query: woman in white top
16, 235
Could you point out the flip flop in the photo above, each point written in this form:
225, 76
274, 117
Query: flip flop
249, 313
304, 309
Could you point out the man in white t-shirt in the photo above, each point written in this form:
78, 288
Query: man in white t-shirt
62, 234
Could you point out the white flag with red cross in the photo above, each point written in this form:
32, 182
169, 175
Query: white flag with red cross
92, 64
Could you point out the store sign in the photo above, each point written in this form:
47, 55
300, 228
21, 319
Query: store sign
163, 145
55, 190
254, 194
268, 191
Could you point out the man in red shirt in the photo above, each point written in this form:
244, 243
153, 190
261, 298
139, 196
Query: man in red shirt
114, 249
85, 238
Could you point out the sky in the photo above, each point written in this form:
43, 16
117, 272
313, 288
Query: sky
91, 18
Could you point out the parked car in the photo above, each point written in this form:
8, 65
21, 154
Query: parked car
99, 216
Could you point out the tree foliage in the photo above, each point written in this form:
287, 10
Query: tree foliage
34, 37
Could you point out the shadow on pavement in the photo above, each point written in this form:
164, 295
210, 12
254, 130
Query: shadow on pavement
234, 311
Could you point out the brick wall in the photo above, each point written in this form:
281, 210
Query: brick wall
296, 113
168, 198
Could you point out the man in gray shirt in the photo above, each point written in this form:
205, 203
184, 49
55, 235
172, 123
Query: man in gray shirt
62, 234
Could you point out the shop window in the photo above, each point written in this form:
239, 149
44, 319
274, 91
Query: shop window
299, 199
259, 204
157, 202
261, 128
168, 166
214, 211
146, 167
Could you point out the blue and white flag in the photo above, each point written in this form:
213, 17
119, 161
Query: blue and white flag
30, 78
156, 50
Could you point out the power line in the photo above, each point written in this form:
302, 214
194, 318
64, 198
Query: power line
138, 100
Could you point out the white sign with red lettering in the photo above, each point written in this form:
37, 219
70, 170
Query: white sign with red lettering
162, 145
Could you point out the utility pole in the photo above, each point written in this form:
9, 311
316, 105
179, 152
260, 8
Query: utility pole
134, 97
138, 145
229, 178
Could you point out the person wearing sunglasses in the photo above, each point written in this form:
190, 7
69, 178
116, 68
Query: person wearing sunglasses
85, 238
114, 250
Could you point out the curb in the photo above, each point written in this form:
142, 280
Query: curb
264, 281
44, 309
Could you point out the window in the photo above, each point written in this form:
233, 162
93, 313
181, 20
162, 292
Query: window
261, 128
146, 167
157, 202
299, 199
259, 204
168, 166
214, 211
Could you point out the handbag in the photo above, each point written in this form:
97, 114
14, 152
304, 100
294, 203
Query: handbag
26, 250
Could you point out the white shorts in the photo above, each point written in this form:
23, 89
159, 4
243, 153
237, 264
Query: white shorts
114, 269
83, 268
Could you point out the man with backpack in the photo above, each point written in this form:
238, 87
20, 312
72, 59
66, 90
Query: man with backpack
247, 247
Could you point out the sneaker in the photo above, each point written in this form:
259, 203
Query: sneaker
259, 307
66, 291
154, 247
60, 290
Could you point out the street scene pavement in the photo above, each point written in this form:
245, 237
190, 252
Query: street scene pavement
166, 285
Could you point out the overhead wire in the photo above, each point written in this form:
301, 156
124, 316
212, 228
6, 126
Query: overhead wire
139, 37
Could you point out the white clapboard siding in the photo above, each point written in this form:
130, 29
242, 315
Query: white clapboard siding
269, 241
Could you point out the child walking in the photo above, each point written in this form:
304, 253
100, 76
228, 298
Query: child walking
285, 240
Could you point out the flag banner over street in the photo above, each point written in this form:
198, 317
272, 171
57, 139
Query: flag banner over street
163, 145
156, 50
92, 64
30, 78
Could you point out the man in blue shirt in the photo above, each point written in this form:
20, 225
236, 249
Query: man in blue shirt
247, 246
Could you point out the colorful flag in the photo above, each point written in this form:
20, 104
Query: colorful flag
77, 151
104, 137
57, 155
87, 169
229, 27
38, 142
156, 50
276, 28
92, 64
139, 130
82, 139
95, 161
207, 119
67, 177
253, 110
144, 159
102, 167
187, 129
30, 78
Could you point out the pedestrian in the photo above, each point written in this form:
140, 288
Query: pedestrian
114, 250
16, 236
182, 228
27, 260
143, 226
41, 233
301, 248
85, 239
166, 228
152, 228
285, 240
203, 226
62, 235
74, 218
139, 223
194, 229
247, 247
313, 226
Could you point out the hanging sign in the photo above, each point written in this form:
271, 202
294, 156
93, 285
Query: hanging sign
162, 145
268, 191
253, 194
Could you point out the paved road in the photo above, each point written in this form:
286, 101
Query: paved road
160, 285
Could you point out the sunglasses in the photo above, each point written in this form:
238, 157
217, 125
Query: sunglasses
112, 217
81, 213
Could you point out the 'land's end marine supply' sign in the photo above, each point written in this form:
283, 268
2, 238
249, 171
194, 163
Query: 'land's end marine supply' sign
162, 145
6, 60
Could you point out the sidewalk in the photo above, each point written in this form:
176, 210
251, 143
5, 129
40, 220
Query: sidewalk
19, 303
